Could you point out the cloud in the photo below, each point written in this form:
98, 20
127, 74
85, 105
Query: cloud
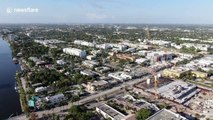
94, 16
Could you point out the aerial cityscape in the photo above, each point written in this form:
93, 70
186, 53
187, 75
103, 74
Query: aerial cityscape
106, 60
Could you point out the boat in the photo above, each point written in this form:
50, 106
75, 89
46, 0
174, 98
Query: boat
16, 87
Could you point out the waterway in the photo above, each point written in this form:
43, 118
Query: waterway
9, 98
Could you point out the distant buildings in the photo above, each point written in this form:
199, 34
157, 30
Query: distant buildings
75, 52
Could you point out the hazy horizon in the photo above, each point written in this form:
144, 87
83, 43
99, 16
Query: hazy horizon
106, 12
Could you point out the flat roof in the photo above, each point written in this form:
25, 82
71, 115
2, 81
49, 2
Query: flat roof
165, 114
111, 112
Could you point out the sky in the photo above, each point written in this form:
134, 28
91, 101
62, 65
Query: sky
107, 11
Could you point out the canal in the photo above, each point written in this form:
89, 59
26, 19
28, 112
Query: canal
9, 98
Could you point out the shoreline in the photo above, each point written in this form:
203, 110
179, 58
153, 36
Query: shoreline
17, 79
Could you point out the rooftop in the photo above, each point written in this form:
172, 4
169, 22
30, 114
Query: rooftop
165, 114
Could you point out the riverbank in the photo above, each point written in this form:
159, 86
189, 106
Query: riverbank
9, 102
21, 85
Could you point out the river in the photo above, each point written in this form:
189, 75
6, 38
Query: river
9, 98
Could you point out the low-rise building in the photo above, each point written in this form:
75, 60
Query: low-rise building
165, 114
90, 64
109, 112
97, 85
199, 74
122, 76
40, 89
55, 99
75, 52
174, 73
88, 73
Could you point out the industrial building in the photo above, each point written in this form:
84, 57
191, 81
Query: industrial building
75, 52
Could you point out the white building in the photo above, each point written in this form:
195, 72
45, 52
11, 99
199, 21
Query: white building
55, 99
40, 89
122, 76
60, 62
84, 43
75, 52
109, 112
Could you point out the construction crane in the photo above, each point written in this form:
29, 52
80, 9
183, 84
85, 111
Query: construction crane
147, 33
153, 73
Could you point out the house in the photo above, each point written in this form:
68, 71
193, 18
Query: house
60, 62
97, 85
40, 89
90, 64
55, 99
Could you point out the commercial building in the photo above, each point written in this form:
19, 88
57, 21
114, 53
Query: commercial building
75, 52
174, 73
84, 43
109, 112
165, 114
199, 74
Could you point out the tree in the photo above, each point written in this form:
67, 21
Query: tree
143, 114
33, 116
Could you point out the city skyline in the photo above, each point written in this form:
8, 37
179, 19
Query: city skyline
108, 11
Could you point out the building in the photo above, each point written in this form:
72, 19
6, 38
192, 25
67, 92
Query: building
129, 101
60, 62
199, 74
174, 73
55, 99
75, 52
84, 43
88, 73
102, 69
124, 56
40, 89
165, 114
141, 60
108, 112
97, 85
177, 91
122, 76
90, 64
